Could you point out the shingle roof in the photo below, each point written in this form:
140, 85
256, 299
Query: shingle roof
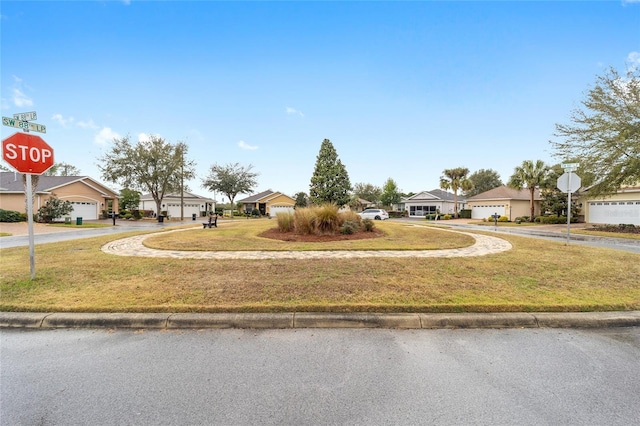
506, 193
256, 197
12, 182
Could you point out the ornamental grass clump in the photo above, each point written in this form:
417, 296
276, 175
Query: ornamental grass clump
327, 219
285, 222
303, 221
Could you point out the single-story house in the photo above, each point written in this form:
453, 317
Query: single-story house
268, 203
88, 197
360, 204
620, 208
432, 202
505, 201
192, 204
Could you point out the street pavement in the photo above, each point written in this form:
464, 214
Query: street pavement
320, 377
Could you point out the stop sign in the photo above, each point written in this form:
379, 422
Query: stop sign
27, 153
569, 182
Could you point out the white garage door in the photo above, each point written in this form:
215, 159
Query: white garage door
173, 210
85, 210
274, 210
483, 212
615, 213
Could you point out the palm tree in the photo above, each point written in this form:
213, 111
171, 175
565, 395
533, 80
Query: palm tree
456, 179
529, 175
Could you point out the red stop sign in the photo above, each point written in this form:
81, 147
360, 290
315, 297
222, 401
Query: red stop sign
27, 153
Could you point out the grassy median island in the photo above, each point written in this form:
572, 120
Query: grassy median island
261, 234
536, 275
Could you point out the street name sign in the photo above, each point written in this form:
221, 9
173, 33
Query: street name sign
26, 116
24, 125
27, 153
570, 166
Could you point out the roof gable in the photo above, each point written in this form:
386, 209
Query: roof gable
506, 193
12, 182
257, 197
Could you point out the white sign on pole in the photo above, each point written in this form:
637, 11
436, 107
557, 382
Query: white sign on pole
569, 182
26, 116
24, 125
570, 166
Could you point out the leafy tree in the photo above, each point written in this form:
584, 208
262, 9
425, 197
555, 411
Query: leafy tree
456, 179
230, 179
553, 199
483, 180
390, 194
62, 169
604, 135
530, 175
155, 166
330, 181
54, 208
367, 192
301, 199
129, 199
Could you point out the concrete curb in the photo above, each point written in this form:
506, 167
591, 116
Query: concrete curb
44, 320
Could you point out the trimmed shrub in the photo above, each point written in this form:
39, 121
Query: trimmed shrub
465, 214
12, 216
285, 222
349, 228
503, 219
368, 225
446, 217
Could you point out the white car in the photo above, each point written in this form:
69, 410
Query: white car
376, 214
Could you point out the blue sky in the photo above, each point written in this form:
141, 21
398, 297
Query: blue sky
402, 89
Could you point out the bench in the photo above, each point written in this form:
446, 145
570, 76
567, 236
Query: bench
211, 223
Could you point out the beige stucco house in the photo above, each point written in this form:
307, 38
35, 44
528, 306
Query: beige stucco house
620, 208
505, 201
192, 204
88, 197
269, 203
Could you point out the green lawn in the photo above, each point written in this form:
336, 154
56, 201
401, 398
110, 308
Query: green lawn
536, 275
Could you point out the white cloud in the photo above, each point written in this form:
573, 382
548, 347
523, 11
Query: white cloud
87, 124
105, 136
20, 99
293, 111
64, 122
633, 60
244, 145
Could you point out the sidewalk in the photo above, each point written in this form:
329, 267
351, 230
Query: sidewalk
39, 320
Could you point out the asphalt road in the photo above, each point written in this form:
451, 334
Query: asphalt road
320, 377
558, 234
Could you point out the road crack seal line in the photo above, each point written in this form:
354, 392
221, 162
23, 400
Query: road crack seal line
134, 247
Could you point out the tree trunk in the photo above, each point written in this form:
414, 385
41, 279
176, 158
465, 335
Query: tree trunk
532, 190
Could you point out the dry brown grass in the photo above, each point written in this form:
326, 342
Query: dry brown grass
536, 275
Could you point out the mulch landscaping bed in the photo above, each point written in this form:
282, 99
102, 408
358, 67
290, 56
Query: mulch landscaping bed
275, 234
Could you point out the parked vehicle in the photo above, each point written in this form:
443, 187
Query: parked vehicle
376, 214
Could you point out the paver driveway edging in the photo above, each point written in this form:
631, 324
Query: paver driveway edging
133, 246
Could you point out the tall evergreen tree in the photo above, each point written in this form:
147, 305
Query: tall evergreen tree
330, 181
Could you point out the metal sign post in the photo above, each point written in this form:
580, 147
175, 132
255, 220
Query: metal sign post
28, 154
565, 184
